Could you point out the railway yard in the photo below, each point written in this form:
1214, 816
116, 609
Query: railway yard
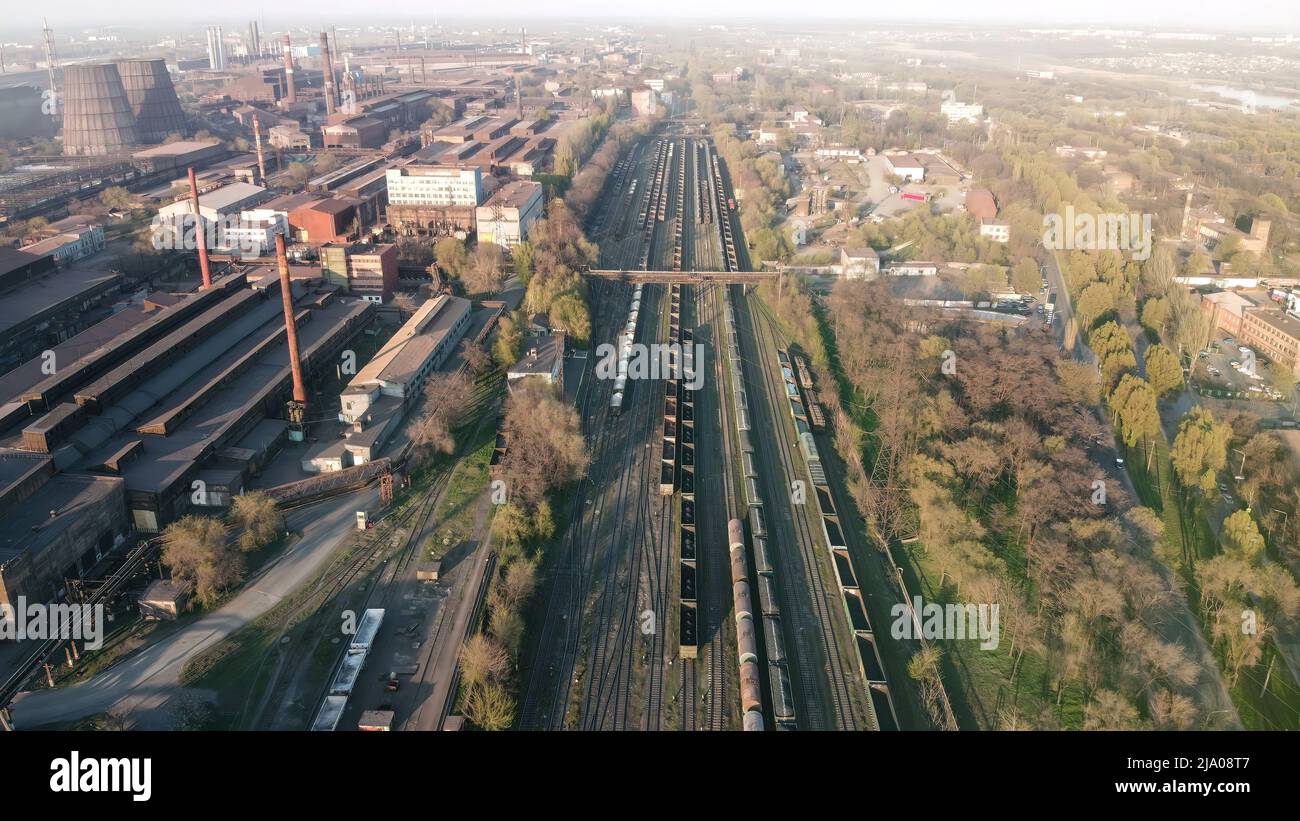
697, 585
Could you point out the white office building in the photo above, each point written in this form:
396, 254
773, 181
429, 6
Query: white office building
435, 185
961, 112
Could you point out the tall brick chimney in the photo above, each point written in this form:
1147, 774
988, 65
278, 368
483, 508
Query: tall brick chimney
291, 327
200, 233
290, 94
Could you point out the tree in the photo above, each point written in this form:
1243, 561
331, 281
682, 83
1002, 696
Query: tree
547, 448
447, 396
1241, 538
1200, 450
300, 173
518, 583
490, 707
510, 339
1163, 371
1079, 381
483, 275
326, 162
476, 359
1094, 303
117, 197
1110, 711
570, 312
925, 668
508, 627
196, 552
482, 659
522, 256
259, 517
1134, 403
1025, 276
1170, 711
36, 225
1155, 314
452, 257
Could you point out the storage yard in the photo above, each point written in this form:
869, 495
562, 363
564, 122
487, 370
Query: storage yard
690, 592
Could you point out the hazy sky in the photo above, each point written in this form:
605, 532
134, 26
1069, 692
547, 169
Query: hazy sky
1273, 16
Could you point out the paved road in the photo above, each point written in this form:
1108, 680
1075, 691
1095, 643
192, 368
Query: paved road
144, 682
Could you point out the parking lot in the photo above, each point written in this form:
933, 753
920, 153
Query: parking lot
1225, 372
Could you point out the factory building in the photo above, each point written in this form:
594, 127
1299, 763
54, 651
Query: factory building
41, 305
55, 525
433, 198
367, 271
957, 112
218, 209
21, 114
508, 214
377, 398
355, 132
178, 156
645, 102
197, 392
72, 238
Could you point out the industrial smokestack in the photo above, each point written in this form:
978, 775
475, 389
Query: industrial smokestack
200, 233
291, 327
257, 140
290, 94
327, 69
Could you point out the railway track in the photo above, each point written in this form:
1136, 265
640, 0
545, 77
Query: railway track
607, 702
841, 679
545, 698
716, 576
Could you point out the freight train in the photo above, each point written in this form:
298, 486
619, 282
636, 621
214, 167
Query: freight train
747, 633
623, 344
869, 662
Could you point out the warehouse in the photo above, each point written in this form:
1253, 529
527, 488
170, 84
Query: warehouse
376, 399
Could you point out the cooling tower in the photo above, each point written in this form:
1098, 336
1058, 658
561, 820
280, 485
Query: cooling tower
153, 100
97, 116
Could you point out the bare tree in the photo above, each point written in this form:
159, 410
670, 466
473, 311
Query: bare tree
482, 659
446, 399
547, 448
476, 359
